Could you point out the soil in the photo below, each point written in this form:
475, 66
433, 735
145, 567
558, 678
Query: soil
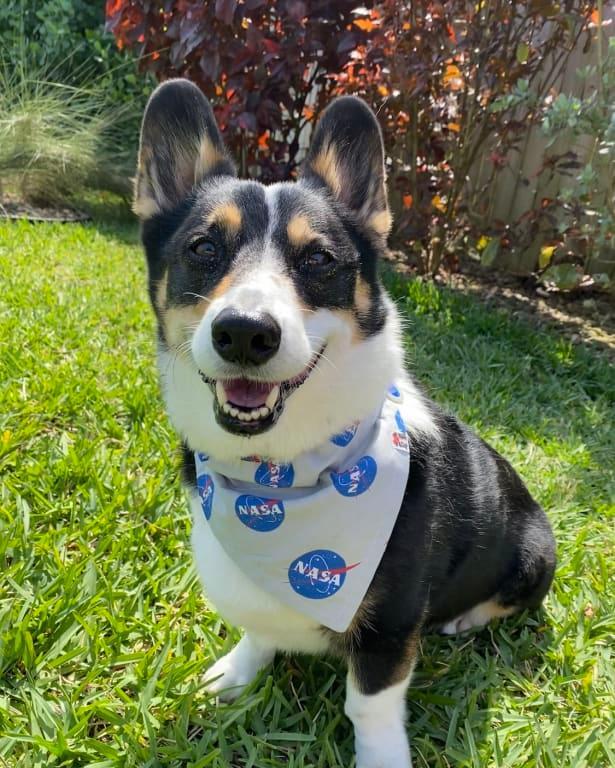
585, 317
12, 207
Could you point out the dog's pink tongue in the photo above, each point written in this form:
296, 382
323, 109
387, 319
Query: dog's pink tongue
249, 394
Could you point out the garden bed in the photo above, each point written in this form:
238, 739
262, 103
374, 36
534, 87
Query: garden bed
15, 208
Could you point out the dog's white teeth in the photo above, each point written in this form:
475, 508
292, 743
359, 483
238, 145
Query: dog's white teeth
272, 398
233, 411
221, 393
264, 411
227, 407
243, 416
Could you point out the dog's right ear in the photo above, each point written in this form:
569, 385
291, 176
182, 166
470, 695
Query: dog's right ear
180, 145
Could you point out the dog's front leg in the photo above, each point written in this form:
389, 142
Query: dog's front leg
233, 672
376, 704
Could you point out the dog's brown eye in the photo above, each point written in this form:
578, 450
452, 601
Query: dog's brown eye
319, 260
205, 249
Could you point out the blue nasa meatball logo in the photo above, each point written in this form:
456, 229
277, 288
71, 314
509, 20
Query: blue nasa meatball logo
259, 514
357, 479
318, 574
206, 493
275, 475
342, 439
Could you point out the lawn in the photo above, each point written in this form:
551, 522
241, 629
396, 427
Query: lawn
104, 631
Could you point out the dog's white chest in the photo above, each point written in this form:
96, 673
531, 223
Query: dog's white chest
241, 602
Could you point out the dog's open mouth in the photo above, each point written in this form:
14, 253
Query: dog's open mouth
248, 407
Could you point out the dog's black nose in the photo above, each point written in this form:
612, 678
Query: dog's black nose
245, 339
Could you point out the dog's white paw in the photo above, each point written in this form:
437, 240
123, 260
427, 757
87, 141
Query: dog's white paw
390, 751
230, 675
476, 617
460, 624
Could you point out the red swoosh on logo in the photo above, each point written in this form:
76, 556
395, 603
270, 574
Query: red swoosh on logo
335, 571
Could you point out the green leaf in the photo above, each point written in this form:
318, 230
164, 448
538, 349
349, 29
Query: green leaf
523, 52
565, 276
489, 255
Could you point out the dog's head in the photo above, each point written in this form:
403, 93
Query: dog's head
274, 329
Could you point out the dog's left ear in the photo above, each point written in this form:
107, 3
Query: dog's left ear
347, 157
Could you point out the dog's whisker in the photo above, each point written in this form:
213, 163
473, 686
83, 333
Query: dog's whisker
198, 296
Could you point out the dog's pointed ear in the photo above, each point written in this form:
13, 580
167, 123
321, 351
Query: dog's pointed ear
347, 157
180, 145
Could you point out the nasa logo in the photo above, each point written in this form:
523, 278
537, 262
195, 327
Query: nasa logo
318, 574
275, 475
206, 493
357, 479
202, 457
259, 514
400, 438
342, 439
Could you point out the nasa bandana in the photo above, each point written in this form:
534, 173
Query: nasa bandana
312, 533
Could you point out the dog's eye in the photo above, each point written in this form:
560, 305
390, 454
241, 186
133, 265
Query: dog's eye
205, 249
318, 260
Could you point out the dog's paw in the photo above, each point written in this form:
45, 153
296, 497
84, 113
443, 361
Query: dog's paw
225, 680
231, 674
392, 754
476, 617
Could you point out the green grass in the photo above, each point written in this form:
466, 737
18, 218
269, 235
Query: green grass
104, 631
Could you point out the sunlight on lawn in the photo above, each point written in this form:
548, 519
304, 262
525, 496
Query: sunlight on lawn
105, 633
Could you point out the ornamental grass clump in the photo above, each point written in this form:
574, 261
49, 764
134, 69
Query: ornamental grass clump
56, 139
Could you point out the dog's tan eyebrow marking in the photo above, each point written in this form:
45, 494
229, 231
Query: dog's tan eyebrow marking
299, 231
326, 166
226, 215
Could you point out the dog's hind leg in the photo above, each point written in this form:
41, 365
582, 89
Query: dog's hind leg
526, 579
233, 672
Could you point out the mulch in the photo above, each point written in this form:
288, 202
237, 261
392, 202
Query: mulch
13, 208
585, 317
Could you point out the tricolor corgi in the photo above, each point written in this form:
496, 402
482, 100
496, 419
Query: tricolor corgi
336, 509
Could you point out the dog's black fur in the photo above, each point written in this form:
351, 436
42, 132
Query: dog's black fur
468, 531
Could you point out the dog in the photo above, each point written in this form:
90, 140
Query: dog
279, 347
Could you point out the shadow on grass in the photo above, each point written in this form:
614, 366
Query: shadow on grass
515, 384
112, 217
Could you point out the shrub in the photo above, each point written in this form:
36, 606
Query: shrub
265, 66
456, 85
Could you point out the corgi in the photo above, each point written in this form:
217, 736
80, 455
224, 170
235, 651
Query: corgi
278, 349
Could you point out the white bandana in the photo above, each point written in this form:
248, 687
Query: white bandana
312, 533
